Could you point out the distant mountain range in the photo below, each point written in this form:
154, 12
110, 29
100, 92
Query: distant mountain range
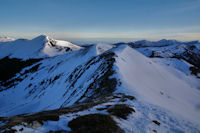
49, 85
160, 43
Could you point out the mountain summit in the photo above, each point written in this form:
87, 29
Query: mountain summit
41, 46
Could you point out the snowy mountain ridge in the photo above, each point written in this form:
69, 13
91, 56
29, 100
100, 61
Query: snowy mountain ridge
39, 47
53, 89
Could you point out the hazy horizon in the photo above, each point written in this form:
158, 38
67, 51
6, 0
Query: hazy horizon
98, 40
94, 19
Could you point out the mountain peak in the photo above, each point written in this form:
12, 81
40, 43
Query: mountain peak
38, 47
41, 38
6, 39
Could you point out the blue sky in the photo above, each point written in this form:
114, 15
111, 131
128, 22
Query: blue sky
131, 19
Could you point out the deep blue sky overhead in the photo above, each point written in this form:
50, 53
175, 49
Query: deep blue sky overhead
135, 19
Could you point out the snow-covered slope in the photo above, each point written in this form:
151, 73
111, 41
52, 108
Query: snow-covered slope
57, 47
116, 81
179, 58
39, 89
182, 60
101, 48
39, 47
156, 85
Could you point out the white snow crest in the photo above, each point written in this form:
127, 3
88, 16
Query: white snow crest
156, 85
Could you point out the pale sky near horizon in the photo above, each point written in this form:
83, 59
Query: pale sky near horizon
131, 19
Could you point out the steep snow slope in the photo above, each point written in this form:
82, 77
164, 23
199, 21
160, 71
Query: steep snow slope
58, 82
103, 47
181, 69
156, 85
181, 60
41, 46
39, 89
57, 47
